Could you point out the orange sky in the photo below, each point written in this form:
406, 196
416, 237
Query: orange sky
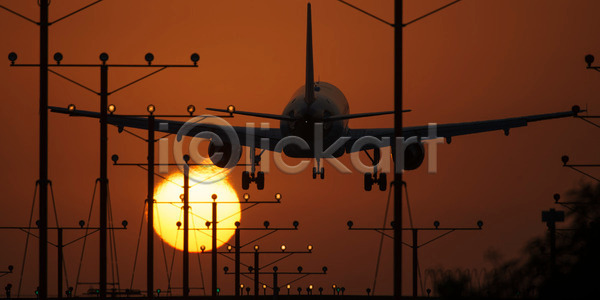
474, 61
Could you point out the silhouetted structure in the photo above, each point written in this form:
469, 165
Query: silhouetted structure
574, 275
59, 246
551, 217
415, 244
276, 287
238, 246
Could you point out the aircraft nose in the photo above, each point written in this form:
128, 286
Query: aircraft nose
300, 113
314, 114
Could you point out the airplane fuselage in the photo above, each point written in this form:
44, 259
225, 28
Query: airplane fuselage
328, 101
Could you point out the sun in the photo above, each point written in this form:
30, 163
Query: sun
168, 209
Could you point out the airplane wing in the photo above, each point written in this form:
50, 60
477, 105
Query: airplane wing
274, 135
173, 127
231, 110
450, 130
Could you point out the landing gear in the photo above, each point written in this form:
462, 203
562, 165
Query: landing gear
382, 182
368, 182
318, 170
321, 173
246, 180
248, 177
373, 178
260, 180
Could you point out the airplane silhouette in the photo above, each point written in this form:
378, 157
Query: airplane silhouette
315, 106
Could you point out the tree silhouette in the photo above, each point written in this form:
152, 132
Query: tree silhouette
577, 248
530, 276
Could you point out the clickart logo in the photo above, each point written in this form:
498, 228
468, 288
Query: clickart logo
266, 146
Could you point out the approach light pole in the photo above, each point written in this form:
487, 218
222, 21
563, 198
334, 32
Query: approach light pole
415, 244
152, 127
43, 151
237, 235
150, 205
184, 197
59, 263
214, 229
43, 180
238, 245
254, 270
398, 51
551, 217
398, 26
105, 110
60, 245
213, 251
186, 227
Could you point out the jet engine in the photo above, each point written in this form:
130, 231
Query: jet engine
414, 154
223, 155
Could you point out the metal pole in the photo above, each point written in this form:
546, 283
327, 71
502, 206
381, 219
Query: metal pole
275, 285
256, 274
397, 135
103, 178
60, 262
150, 200
43, 210
186, 250
552, 227
237, 262
415, 249
214, 247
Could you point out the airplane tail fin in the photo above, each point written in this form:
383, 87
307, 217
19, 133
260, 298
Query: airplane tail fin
309, 84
